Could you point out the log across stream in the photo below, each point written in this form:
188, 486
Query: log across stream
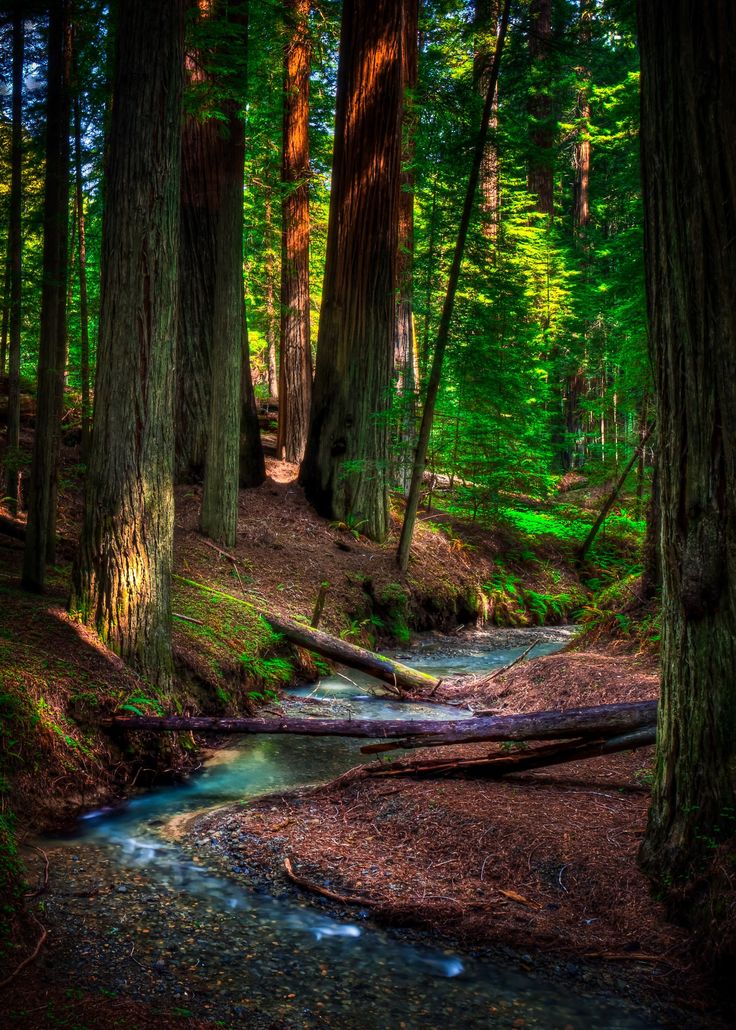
180, 922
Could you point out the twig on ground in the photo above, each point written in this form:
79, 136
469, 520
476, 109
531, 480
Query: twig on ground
345, 899
520, 658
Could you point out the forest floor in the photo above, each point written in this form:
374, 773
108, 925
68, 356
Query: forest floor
543, 863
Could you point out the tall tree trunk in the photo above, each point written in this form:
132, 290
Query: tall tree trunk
82, 265
5, 315
540, 181
272, 318
122, 578
486, 25
41, 524
405, 352
688, 141
197, 264
15, 245
295, 373
581, 153
344, 472
219, 516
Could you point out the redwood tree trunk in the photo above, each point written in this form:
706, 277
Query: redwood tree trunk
121, 582
486, 23
219, 516
688, 139
52, 344
12, 479
295, 370
345, 466
83, 305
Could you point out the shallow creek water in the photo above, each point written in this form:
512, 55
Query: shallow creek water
161, 925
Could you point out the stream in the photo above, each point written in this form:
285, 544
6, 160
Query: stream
138, 916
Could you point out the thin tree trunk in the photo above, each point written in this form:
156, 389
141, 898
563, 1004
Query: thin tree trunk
443, 334
5, 315
83, 303
219, 516
252, 464
41, 525
15, 247
581, 153
486, 23
345, 468
121, 581
295, 371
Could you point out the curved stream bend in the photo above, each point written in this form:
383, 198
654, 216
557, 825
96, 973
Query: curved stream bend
223, 947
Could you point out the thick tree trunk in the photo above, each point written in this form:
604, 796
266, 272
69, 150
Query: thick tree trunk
540, 181
219, 516
688, 140
12, 455
345, 468
575, 722
84, 370
41, 525
121, 581
295, 370
581, 154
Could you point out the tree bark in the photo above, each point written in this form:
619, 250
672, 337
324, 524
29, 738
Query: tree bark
345, 468
5, 315
575, 722
581, 153
295, 370
486, 25
219, 516
84, 370
41, 524
121, 580
252, 464
15, 246
272, 319
688, 143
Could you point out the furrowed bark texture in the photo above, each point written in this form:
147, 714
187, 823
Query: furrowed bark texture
82, 264
344, 472
123, 572
41, 524
219, 516
688, 118
15, 254
295, 370
197, 268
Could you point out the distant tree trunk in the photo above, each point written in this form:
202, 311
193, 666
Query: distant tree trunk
486, 24
252, 463
295, 374
83, 304
540, 180
344, 472
40, 529
272, 318
12, 478
5, 315
219, 516
122, 578
405, 352
688, 145
581, 153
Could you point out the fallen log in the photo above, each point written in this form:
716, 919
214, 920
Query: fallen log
10, 527
385, 669
500, 765
598, 721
